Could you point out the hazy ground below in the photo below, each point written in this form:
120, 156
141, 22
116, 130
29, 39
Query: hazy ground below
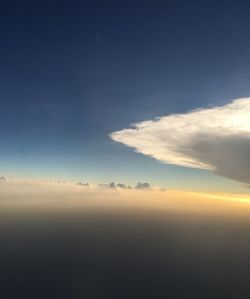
122, 254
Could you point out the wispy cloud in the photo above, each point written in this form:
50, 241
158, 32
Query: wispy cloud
215, 139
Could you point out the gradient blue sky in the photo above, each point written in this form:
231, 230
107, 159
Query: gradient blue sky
71, 72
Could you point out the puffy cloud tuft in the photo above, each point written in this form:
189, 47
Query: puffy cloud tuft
215, 139
142, 186
123, 186
83, 184
112, 185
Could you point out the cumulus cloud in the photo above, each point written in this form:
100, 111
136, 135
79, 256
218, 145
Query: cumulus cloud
215, 139
83, 184
142, 186
120, 185
112, 185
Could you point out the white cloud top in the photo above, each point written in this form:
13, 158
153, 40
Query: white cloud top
216, 139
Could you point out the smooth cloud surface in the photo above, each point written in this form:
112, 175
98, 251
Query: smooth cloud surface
216, 139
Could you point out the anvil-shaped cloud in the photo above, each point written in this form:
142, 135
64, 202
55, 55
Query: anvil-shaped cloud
216, 139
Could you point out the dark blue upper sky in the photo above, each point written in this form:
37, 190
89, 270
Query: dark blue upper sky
71, 72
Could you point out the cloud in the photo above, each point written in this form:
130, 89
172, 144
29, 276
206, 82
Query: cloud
142, 186
112, 185
3, 179
83, 184
123, 186
120, 185
47, 196
216, 139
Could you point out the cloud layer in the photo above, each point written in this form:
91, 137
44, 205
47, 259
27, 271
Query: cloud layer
215, 139
47, 196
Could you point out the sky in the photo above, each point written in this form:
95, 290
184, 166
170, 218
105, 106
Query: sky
124, 149
74, 73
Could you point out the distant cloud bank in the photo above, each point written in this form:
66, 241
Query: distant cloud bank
113, 185
56, 182
215, 139
52, 195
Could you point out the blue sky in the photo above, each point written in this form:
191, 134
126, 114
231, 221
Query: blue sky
72, 72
